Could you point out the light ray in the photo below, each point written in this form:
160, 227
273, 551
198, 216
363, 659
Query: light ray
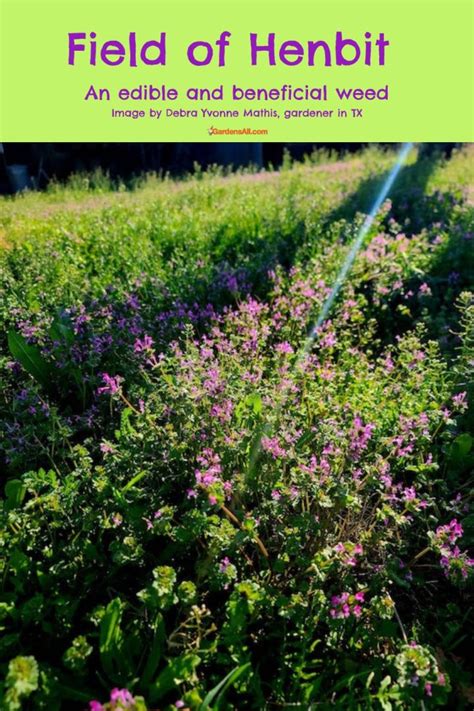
340, 279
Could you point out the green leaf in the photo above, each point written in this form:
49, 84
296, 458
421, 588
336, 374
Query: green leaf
156, 651
255, 402
217, 693
61, 330
29, 357
110, 636
134, 480
15, 492
178, 670
463, 444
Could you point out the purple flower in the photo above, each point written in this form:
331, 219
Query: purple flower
106, 448
143, 344
271, 445
123, 697
284, 348
224, 564
460, 402
111, 384
96, 706
346, 604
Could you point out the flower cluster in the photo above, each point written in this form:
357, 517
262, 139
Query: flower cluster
347, 604
455, 563
120, 700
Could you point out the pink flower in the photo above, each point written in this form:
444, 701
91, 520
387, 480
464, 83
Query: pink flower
276, 496
271, 445
343, 605
122, 696
179, 704
409, 493
143, 344
111, 385
224, 564
106, 448
460, 402
428, 689
96, 706
450, 532
284, 348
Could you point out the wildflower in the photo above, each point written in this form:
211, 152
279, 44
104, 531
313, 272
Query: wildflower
346, 604
388, 363
179, 704
276, 496
428, 689
143, 344
224, 564
96, 706
123, 697
117, 519
111, 385
460, 402
106, 448
360, 436
284, 348
409, 493
271, 445
348, 553
450, 532
223, 412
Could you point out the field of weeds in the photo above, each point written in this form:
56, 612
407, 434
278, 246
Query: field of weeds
199, 511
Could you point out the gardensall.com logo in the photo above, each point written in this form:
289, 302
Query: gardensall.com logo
213, 131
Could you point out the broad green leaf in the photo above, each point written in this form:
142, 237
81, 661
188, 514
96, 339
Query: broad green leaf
463, 444
178, 670
29, 357
15, 492
110, 636
217, 693
61, 330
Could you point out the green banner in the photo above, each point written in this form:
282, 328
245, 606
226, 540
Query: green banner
236, 71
